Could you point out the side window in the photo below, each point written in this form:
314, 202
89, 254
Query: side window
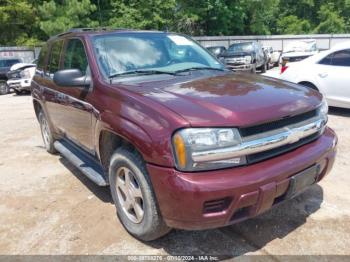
326, 60
341, 58
42, 57
54, 62
75, 56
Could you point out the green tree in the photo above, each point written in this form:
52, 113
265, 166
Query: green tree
331, 21
261, 16
293, 25
142, 14
59, 16
17, 23
210, 17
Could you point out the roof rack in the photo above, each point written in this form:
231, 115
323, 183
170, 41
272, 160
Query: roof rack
85, 29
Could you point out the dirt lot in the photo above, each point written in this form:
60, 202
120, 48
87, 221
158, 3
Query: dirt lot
48, 207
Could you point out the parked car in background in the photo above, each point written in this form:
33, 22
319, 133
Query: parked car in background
245, 56
273, 56
217, 50
181, 141
268, 51
299, 50
5, 65
327, 72
20, 77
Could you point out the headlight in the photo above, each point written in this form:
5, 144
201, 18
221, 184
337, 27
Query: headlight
323, 110
25, 74
248, 58
187, 142
324, 107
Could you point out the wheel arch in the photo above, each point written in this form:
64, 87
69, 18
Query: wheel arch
309, 84
108, 142
37, 107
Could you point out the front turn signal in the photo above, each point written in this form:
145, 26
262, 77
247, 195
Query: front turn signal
180, 150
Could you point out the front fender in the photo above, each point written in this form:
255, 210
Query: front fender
153, 151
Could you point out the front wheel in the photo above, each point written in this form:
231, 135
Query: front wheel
133, 196
253, 69
4, 88
263, 68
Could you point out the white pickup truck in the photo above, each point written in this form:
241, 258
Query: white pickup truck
20, 77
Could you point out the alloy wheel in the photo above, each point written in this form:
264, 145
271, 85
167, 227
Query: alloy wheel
130, 195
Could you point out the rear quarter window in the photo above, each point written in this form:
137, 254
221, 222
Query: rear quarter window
42, 58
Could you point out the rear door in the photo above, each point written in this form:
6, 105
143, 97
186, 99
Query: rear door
53, 101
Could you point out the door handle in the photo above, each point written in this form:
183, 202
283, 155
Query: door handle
322, 75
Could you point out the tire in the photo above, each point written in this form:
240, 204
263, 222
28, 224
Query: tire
135, 197
4, 88
253, 70
18, 92
263, 68
46, 133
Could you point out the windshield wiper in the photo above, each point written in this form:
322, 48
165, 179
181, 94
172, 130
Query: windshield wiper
198, 68
141, 72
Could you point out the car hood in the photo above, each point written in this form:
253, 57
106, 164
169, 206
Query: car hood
228, 99
21, 66
236, 54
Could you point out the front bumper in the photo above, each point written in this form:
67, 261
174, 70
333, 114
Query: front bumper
235, 194
239, 67
20, 84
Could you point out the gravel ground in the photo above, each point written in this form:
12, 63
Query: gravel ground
49, 207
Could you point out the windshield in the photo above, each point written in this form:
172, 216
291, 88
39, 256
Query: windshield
240, 47
131, 52
8, 62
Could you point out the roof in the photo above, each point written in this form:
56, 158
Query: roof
97, 30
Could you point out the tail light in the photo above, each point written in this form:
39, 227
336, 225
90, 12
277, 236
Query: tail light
283, 68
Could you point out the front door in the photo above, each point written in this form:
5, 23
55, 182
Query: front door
77, 111
67, 106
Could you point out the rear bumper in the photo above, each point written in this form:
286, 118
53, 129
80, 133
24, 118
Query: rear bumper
219, 198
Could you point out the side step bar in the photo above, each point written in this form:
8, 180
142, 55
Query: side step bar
86, 164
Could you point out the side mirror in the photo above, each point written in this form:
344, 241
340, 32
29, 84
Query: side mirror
71, 77
222, 60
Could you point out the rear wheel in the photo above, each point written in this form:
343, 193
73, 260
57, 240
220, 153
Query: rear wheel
133, 196
46, 133
4, 88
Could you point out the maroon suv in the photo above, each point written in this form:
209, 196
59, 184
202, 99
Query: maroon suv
181, 141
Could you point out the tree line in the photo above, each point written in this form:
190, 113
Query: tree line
30, 22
